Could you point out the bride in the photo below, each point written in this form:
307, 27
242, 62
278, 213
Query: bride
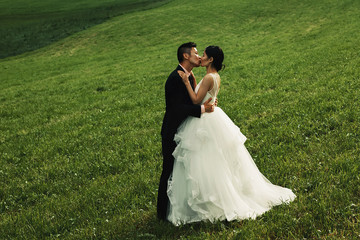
214, 176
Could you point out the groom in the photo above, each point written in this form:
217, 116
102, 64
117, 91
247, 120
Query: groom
178, 107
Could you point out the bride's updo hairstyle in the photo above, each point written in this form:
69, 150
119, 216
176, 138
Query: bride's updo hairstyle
217, 54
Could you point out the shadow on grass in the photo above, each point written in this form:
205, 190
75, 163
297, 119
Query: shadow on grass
152, 228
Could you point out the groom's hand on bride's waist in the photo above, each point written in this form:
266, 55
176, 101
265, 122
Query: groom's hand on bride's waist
208, 107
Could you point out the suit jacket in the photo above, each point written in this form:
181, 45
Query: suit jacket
178, 104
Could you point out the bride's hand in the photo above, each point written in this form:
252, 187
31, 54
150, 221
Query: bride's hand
184, 77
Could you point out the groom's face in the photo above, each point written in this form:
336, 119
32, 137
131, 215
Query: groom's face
194, 57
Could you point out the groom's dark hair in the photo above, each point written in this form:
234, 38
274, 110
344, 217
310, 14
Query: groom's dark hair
184, 48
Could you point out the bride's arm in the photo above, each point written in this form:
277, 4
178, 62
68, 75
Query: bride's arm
206, 85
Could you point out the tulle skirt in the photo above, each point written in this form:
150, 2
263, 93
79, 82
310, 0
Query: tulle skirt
214, 176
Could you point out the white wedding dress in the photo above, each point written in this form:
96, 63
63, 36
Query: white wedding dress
214, 176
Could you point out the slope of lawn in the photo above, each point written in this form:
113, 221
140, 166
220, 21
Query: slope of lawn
29, 25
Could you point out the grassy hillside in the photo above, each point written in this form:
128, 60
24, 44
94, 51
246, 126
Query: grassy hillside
80, 119
29, 25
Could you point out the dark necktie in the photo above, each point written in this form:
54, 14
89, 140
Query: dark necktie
191, 81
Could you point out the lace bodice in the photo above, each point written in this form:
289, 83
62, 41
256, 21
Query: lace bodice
212, 93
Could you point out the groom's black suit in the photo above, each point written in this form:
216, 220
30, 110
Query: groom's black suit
178, 107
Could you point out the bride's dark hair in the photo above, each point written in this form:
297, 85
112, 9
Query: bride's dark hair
217, 54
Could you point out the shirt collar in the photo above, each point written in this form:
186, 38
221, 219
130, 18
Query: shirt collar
186, 72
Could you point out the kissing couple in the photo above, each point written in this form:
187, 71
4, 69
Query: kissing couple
207, 174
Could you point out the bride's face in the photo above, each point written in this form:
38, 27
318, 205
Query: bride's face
205, 61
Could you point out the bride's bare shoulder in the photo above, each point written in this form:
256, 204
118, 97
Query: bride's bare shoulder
208, 81
208, 77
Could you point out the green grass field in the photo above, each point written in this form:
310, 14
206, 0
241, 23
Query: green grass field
29, 25
80, 120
